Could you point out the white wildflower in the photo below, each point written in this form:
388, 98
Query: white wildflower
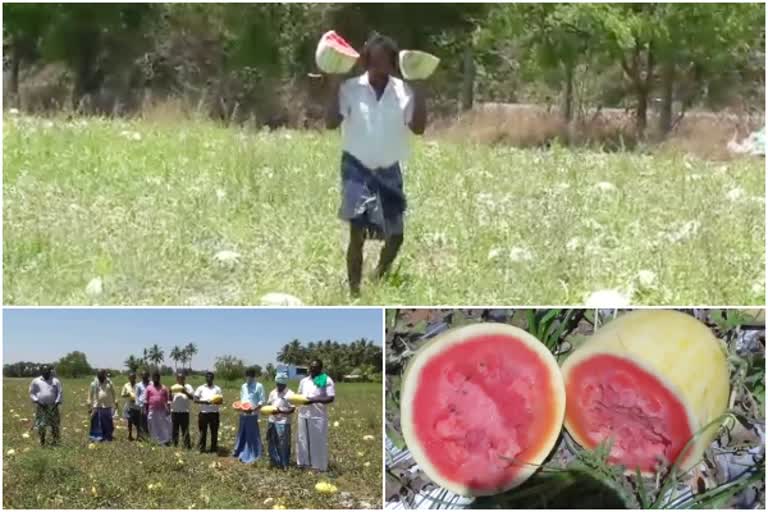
607, 299
226, 258
220, 194
280, 299
95, 287
646, 278
687, 230
520, 254
368, 438
735, 194
573, 244
494, 253
605, 186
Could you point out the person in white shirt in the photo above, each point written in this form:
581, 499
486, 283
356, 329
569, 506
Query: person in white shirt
101, 402
182, 395
279, 430
312, 439
46, 393
377, 112
141, 403
131, 410
208, 418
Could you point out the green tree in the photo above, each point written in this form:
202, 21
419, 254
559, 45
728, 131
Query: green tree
133, 363
269, 371
80, 35
229, 367
73, 365
190, 350
176, 355
23, 28
155, 355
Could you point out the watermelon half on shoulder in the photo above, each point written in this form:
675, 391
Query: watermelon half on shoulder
651, 383
334, 55
417, 65
481, 407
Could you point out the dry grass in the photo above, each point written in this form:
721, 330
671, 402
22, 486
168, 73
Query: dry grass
704, 134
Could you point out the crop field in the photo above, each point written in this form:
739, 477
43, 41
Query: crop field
729, 474
145, 206
124, 474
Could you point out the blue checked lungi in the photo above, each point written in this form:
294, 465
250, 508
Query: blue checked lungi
372, 199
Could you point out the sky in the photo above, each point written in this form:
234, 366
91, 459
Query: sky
109, 336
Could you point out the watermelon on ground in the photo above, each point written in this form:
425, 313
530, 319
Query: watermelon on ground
481, 407
649, 381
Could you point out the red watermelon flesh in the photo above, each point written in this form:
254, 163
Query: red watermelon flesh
482, 405
340, 44
612, 397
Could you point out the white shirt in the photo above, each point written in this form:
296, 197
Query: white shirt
279, 400
203, 392
180, 401
308, 389
45, 392
375, 131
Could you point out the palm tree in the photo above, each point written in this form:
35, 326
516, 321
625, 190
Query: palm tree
156, 355
177, 354
191, 350
133, 363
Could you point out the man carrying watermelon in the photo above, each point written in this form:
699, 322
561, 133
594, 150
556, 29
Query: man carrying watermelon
377, 112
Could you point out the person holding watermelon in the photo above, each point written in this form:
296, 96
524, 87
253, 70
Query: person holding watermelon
377, 112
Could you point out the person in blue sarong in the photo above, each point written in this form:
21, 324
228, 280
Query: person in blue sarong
377, 112
279, 429
101, 402
248, 446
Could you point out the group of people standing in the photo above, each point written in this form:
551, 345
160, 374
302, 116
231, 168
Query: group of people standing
163, 414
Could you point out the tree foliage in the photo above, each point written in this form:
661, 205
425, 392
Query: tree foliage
246, 56
360, 357
73, 365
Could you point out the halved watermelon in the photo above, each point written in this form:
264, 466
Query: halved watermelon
334, 55
481, 407
417, 65
649, 381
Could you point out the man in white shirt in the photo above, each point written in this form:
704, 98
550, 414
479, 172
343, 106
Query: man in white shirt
279, 429
209, 413
377, 112
46, 393
182, 395
312, 439
141, 403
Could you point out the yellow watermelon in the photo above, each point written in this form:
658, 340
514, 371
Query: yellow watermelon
298, 400
268, 409
650, 380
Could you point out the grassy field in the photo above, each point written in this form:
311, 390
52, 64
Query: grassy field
118, 474
146, 205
